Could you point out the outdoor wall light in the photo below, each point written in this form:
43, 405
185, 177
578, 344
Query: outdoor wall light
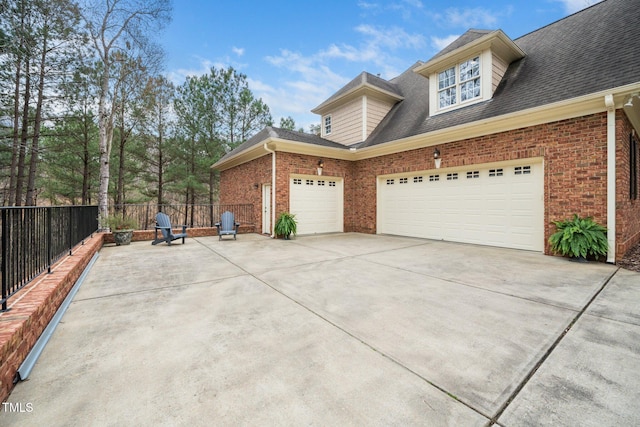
255, 186
436, 158
629, 103
320, 166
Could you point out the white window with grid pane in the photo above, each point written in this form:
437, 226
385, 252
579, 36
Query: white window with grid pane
327, 125
460, 83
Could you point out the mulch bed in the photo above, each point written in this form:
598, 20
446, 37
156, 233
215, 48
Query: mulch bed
631, 260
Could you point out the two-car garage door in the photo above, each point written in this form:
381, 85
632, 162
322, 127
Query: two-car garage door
497, 206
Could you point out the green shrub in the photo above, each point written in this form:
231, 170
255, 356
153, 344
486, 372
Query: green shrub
579, 237
286, 224
120, 222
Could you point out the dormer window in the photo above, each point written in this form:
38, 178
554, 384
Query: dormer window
327, 125
469, 70
459, 83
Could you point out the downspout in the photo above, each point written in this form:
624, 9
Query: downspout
273, 188
611, 177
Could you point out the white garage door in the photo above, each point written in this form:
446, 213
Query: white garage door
497, 206
317, 202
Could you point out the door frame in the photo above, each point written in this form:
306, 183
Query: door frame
266, 208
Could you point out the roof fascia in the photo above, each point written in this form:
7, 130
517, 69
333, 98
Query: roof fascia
497, 41
287, 146
251, 153
281, 145
563, 110
361, 90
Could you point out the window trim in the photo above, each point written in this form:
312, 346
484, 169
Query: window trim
327, 123
458, 83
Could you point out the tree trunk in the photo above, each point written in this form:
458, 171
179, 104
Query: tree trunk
22, 152
16, 137
85, 161
106, 138
33, 163
211, 186
121, 168
160, 173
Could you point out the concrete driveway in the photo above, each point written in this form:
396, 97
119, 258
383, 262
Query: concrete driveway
345, 329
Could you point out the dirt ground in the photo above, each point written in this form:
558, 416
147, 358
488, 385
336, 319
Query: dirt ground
631, 260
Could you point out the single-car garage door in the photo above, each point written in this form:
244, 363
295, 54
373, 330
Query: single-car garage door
317, 203
497, 206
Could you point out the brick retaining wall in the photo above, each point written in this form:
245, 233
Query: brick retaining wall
33, 307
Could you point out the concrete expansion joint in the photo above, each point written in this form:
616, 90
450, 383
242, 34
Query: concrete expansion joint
545, 356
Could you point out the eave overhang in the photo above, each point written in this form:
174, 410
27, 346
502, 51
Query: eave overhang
281, 145
364, 89
497, 41
563, 110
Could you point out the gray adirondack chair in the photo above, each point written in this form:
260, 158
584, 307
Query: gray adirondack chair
227, 226
163, 224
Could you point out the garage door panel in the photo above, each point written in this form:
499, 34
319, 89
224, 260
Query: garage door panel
494, 206
317, 204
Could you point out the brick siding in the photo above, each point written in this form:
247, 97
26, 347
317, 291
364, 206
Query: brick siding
628, 211
575, 167
243, 184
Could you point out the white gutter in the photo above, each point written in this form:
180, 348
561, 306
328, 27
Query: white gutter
611, 177
273, 188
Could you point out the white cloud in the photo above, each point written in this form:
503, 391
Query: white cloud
308, 79
572, 6
238, 50
202, 66
393, 37
466, 18
440, 43
368, 6
415, 3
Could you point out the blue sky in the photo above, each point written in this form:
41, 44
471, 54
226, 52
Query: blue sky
295, 54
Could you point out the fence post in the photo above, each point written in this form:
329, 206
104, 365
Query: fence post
146, 218
5, 278
70, 235
49, 243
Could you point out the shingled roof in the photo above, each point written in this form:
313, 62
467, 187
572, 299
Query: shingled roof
363, 80
465, 39
591, 51
279, 133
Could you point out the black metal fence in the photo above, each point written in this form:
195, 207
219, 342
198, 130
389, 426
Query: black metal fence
190, 215
33, 238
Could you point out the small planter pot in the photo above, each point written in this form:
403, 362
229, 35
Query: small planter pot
122, 237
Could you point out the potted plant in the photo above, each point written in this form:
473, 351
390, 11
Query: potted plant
579, 238
286, 224
122, 227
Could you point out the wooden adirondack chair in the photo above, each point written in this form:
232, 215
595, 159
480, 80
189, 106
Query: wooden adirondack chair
227, 226
163, 223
